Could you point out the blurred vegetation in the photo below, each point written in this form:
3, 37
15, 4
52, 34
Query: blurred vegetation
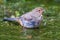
23, 6
18, 7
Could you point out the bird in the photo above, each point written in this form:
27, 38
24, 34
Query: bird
30, 19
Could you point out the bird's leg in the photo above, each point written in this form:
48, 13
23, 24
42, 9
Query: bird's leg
24, 30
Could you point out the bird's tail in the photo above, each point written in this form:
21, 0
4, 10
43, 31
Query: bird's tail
9, 19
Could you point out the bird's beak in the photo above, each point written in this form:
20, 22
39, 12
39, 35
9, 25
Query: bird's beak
41, 12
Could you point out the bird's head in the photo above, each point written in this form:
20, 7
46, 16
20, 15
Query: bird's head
38, 10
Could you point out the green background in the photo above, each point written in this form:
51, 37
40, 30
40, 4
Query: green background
10, 31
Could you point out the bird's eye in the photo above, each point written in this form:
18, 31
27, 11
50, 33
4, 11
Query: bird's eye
39, 10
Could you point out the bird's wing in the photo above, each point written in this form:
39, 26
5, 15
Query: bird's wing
27, 16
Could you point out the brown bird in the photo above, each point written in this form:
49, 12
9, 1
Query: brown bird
30, 19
